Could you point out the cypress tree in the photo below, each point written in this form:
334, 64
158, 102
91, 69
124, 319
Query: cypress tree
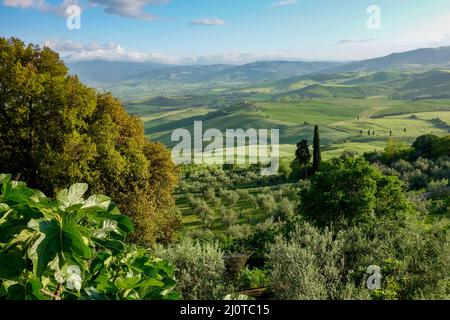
302, 155
317, 157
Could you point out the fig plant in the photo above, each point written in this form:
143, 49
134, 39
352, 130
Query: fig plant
73, 248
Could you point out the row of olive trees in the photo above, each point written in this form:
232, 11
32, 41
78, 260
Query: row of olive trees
223, 204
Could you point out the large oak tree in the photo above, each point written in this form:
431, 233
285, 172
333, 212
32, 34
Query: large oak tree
55, 131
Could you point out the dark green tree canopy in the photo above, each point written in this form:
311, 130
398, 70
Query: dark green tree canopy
423, 145
350, 191
55, 131
302, 153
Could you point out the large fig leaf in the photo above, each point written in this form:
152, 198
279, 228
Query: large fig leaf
54, 239
72, 196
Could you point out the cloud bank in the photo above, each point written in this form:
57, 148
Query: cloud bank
110, 51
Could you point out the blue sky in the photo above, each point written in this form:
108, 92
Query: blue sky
228, 31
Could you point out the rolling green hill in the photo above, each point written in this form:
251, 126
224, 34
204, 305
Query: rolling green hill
398, 96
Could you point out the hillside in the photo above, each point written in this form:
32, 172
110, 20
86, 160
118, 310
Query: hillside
100, 71
419, 59
103, 73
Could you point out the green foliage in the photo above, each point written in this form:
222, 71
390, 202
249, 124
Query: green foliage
350, 191
307, 266
284, 210
72, 248
56, 132
199, 269
395, 151
423, 146
441, 147
317, 155
302, 154
252, 278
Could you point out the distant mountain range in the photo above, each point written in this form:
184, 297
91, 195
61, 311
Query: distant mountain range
98, 72
102, 71
411, 75
416, 59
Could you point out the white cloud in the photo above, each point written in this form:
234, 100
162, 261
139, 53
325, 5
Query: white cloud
41, 5
111, 51
282, 3
348, 41
124, 8
74, 51
208, 22
128, 8
22, 3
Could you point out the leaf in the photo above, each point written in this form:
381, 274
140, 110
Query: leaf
12, 265
11, 228
31, 290
150, 283
108, 226
4, 207
72, 196
113, 245
5, 180
97, 202
127, 283
22, 239
93, 294
124, 223
55, 239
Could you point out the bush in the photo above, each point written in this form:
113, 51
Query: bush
307, 266
284, 210
229, 216
229, 197
417, 180
199, 269
252, 278
435, 187
266, 202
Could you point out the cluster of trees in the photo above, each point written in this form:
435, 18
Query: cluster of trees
349, 216
194, 178
424, 167
55, 131
227, 207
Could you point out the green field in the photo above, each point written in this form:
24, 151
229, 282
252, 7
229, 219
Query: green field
343, 122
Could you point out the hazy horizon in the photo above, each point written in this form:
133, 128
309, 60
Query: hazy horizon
228, 32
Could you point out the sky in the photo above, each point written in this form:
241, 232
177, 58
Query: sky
228, 31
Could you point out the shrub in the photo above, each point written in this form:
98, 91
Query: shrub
307, 266
209, 195
436, 187
229, 216
229, 197
199, 269
417, 180
284, 210
252, 278
266, 202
